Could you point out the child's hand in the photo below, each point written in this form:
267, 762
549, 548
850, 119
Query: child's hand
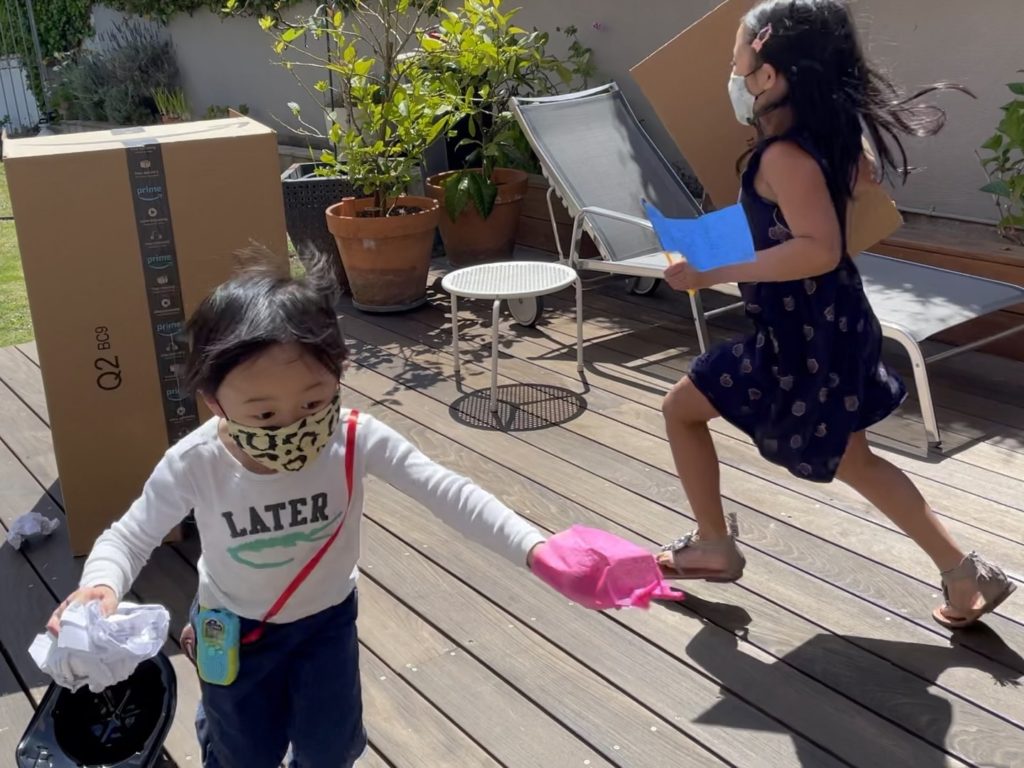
682, 276
106, 596
532, 554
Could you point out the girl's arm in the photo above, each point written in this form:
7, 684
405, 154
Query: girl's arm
120, 553
793, 179
454, 499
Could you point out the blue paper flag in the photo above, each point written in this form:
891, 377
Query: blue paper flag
717, 239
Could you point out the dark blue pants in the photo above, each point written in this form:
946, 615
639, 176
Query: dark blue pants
297, 685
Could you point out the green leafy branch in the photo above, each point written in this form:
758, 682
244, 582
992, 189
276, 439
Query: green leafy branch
392, 109
482, 61
1005, 166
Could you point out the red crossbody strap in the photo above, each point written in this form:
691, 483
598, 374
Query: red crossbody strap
301, 576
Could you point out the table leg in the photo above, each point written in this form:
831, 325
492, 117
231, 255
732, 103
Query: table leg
495, 317
455, 332
579, 324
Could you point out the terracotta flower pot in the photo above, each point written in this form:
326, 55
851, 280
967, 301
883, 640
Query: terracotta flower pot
386, 258
472, 239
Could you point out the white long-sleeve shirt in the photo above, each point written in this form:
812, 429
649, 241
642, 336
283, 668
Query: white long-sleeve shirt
258, 530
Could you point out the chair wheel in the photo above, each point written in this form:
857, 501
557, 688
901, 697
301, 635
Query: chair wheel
642, 286
526, 312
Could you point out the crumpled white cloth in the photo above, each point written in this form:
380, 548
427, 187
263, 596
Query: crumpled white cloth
30, 524
100, 651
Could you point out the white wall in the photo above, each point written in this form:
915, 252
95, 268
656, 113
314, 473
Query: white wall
975, 44
918, 41
231, 62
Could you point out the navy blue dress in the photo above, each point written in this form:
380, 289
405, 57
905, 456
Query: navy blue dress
811, 373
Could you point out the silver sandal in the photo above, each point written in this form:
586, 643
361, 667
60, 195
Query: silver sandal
991, 584
672, 560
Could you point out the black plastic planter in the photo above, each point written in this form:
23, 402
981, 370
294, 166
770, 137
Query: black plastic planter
306, 198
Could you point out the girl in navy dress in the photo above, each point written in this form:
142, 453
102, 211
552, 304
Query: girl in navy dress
809, 380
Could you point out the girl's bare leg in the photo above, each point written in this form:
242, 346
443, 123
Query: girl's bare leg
896, 496
687, 413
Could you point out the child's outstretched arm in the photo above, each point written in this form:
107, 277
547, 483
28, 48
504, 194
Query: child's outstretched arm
454, 499
120, 553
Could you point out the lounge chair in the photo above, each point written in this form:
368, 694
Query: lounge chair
600, 163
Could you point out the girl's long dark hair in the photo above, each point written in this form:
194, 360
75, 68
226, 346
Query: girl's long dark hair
835, 95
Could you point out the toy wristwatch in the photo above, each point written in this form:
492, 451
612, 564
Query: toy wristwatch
218, 639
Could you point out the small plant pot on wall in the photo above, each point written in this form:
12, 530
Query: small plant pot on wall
471, 238
386, 258
306, 196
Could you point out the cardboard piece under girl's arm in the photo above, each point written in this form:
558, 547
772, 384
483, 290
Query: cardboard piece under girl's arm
716, 239
696, 112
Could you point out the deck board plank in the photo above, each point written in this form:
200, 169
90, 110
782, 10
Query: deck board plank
413, 365
515, 490
610, 371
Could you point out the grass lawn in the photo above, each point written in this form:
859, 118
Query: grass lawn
15, 323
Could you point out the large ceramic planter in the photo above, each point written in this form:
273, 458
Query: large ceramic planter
306, 196
472, 239
386, 258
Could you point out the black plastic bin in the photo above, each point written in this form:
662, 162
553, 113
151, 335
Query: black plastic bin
122, 727
306, 200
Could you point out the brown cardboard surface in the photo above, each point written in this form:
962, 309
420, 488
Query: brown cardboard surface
685, 81
80, 246
120, 138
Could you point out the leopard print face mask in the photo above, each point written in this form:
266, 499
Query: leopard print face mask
289, 448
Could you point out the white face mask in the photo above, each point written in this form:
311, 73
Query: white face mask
742, 99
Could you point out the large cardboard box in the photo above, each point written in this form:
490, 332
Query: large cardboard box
685, 81
122, 233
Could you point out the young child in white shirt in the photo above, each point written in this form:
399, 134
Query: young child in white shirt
275, 480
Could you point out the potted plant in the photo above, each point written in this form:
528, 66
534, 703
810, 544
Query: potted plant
171, 105
478, 55
218, 112
1005, 167
392, 110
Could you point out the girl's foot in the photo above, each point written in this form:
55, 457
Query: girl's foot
690, 557
972, 589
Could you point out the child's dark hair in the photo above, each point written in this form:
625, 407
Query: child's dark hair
835, 94
263, 305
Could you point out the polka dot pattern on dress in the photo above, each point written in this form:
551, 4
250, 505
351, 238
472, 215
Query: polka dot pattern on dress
821, 378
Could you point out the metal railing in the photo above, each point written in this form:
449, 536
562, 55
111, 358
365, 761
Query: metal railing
22, 70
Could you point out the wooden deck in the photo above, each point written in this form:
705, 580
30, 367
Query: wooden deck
825, 655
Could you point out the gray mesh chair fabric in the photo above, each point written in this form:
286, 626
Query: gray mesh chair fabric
924, 300
602, 164
600, 157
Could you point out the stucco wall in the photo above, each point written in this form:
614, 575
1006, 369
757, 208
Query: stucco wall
918, 41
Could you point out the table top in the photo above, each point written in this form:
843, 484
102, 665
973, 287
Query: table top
508, 280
